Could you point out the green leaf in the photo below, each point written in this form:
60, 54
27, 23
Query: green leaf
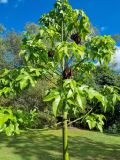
52, 95
70, 93
55, 105
95, 121
66, 82
17, 130
114, 99
70, 102
100, 127
8, 121
91, 123
9, 130
79, 101
23, 84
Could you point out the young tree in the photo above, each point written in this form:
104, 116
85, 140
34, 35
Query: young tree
62, 48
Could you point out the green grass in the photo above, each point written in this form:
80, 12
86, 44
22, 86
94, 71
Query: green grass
47, 145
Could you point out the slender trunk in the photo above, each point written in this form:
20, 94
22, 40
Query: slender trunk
65, 131
65, 137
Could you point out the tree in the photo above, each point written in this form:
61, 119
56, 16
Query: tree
116, 37
13, 42
106, 76
2, 28
63, 48
2, 51
32, 28
10, 45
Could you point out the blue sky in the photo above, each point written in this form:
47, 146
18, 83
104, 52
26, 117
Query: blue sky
104, 14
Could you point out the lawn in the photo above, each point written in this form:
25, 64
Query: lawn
47, 145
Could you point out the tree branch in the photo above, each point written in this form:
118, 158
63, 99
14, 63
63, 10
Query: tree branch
80, 118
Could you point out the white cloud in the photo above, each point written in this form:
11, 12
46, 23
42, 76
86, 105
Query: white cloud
4, 1
117, 56
116, 59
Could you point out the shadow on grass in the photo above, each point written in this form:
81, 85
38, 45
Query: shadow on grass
40, 145
112, 134
87, 149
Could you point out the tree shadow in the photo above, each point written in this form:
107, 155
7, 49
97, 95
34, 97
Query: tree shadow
88, 149
112, 134
35, 145
47, 145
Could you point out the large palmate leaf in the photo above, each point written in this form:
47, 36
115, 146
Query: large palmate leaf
100, 48
68, 49
73, 95
74, 20
18, 79
8, 122
95, 121
55, 105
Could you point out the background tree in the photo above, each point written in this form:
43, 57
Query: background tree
2, 28
116, 37
10, 45
106, 76
32, 28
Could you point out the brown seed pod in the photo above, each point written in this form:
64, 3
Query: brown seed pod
67, 73
51, 53
76, 38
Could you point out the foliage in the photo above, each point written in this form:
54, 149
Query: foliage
26, 119
2, 51
32, 28
12, 82
104, 76
114, 128
116, 37
63, 43
10, 45
11, 119
45, 119
95, 121
8, 121
75, 98
31, 99
74, 20
2, 28
104, 46
35, 119
73, 95
13, 42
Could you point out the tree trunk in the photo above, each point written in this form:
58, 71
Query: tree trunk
65, 130
65, 137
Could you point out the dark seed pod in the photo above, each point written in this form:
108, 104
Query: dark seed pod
51, 53
76, 38
67, 73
